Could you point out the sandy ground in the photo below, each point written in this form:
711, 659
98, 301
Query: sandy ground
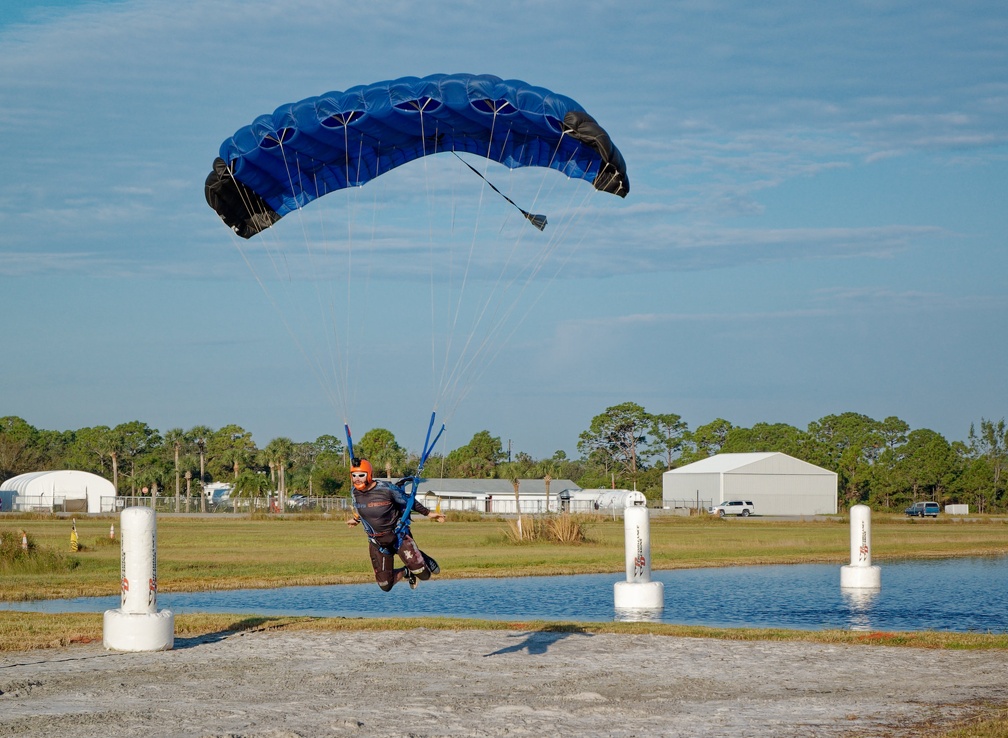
490, 683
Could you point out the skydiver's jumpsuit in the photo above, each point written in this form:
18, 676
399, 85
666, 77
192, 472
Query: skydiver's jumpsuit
381, 509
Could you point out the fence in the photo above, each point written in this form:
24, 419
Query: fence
303, 503
169, 504
46, 503
692, 503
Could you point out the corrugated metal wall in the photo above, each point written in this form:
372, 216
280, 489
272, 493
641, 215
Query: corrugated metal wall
685, 487
784, 494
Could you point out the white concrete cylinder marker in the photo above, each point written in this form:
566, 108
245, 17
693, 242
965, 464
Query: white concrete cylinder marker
137, 625
860, 573
638, 591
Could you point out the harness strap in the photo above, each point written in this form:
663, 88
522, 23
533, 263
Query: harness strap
384, 549
402, 529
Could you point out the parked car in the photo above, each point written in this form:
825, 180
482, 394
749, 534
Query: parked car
923, 510
298, 502
745, 508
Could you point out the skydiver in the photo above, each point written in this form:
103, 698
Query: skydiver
380, 506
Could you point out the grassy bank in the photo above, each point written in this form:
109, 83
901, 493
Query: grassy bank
45, 630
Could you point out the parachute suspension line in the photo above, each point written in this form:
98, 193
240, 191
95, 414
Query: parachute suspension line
481, 358
335, 388
539, 221
498, 319
344, 356
432, 269
326, 308
277, 263
455, 311
348, 361
450, 378
496, 299
477, 373
287, 326
544, 254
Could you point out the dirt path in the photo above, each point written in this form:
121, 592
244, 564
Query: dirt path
489, 683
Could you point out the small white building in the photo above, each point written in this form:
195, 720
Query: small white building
497, 496
777, 484
63, 491
494, 495
617, 500
580, 500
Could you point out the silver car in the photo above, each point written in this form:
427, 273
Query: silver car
745, 508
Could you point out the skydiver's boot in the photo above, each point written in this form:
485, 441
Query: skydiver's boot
412, 578
432, 565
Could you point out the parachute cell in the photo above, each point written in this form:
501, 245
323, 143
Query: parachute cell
283, 161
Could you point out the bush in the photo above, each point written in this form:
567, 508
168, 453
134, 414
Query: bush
463, 516
564, 528
14, 559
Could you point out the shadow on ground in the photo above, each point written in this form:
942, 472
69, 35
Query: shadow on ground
538, 642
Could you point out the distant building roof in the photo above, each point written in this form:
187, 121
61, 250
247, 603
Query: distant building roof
769, 462
494, 486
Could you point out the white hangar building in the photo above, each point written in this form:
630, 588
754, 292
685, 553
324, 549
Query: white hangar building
63, 491
497, 495
776, 484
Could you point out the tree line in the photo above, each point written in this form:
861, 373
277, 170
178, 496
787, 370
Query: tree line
882, 463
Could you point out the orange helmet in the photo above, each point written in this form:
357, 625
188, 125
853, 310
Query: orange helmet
361, 466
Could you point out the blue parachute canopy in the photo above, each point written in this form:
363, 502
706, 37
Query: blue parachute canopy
306, 149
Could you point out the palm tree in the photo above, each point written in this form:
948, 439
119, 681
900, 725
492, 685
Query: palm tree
251, 485
175, 438
199, 435
279, 452
230, 448
516, 483
114, 455
236, 457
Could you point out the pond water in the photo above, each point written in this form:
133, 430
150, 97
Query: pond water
943, 595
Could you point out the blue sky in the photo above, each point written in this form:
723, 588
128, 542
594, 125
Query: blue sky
817, 221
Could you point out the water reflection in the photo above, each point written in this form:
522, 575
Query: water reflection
860, 602
639, 614
944, 595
